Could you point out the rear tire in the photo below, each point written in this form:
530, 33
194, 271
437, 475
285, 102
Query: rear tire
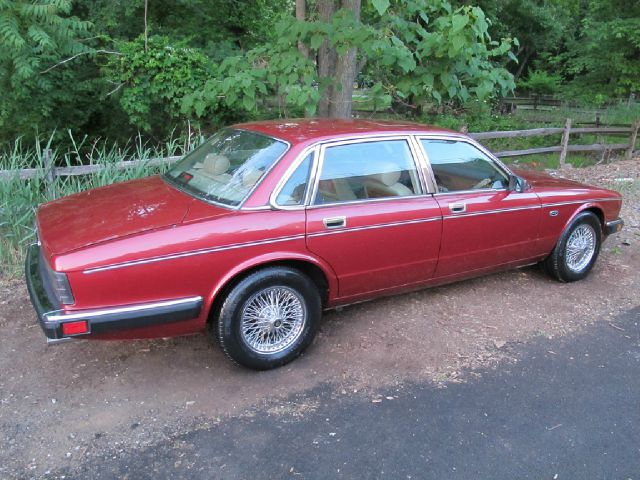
577, 249
269, 318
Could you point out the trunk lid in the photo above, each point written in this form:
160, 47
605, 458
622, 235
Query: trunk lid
111, 212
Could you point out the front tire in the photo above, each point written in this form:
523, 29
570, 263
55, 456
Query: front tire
269, 318
577, 250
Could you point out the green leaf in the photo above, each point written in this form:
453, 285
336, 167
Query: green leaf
316, 40
381, 6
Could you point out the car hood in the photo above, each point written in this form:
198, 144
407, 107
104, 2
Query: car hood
111, 212
544, 180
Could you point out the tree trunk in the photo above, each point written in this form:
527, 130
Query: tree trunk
301, 15
326, 60
346, 71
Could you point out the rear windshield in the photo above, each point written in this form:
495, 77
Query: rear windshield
227, 166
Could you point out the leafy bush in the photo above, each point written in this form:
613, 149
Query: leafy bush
540, 82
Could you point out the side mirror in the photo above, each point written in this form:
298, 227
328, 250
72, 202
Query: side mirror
517, 184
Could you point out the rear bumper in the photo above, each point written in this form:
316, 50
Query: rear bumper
51, 317
614, 226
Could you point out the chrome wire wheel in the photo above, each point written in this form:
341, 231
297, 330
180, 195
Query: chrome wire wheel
581, 247
273, 319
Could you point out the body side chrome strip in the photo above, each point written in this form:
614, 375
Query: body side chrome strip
88, 314
372, 227
192, 253
573, 202
489, 212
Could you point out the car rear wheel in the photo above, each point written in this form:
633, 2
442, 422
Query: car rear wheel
577, 250
269, 318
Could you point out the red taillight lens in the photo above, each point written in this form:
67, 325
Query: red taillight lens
75, 328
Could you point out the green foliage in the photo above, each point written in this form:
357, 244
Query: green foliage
427, 51
154, 82
540, 82
34, 35
606, 55
419, 50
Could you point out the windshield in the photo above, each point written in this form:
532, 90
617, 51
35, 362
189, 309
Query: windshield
227, 166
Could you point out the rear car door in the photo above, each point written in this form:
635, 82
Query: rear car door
484, 223
370, 216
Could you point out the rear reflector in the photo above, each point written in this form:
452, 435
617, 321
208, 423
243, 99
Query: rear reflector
75, 328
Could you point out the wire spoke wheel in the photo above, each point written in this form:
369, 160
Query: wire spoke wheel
581, 247
273, 319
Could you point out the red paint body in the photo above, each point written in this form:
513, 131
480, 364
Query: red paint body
150, 221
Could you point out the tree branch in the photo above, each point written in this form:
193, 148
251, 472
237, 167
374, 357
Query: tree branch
108, 52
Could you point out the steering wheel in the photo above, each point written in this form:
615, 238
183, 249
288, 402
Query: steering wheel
485, 182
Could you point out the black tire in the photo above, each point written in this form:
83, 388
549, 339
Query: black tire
558, 265
301, 291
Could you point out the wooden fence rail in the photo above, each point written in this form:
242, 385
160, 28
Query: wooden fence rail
50, 172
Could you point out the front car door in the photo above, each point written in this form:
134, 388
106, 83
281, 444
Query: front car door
485, 225
370, 216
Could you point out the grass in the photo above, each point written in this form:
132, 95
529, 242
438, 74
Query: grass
19, 198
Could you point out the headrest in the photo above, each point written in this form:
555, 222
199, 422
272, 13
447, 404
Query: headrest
388, 178
251, 177
215, 164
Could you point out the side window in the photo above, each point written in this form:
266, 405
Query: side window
292, 192
359, 171
461, 166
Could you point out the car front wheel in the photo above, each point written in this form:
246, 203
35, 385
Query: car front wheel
577, 250
269, 318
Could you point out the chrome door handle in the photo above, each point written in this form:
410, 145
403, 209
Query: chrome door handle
460, 207
335, 222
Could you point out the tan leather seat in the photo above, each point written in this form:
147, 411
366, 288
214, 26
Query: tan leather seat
386, 184
336, 190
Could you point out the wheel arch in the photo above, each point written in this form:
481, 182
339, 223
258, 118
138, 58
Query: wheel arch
318, 271
594, 208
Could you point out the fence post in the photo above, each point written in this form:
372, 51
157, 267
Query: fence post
565, 143
632, 140
49, 174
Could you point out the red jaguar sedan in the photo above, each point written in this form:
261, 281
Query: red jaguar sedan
267, 224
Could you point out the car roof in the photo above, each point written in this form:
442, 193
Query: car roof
296, 131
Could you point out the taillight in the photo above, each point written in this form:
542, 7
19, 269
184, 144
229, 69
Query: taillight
61, 288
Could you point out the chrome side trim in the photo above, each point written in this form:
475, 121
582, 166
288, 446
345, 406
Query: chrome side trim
489, 212
192, 253
372, 227
575, 202
89, 314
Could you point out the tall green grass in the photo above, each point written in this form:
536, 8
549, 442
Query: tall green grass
19, 198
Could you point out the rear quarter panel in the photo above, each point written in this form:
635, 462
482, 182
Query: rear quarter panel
189, 260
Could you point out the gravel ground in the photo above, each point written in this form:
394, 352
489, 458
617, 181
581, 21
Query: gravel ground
61, 406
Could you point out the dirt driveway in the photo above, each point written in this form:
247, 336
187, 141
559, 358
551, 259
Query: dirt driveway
61, 405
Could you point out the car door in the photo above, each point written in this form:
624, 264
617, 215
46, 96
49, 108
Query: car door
484, 223
370, 216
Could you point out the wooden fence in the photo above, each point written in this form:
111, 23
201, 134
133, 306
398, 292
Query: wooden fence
565, 147
50, 171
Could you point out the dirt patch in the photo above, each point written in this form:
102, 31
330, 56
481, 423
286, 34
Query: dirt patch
60, 405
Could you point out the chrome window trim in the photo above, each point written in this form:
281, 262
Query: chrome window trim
57, 316
191, 253
365, 139
461, 138
313, 149
369, 200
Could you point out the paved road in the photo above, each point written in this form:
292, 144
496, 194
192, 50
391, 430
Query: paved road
569, 408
